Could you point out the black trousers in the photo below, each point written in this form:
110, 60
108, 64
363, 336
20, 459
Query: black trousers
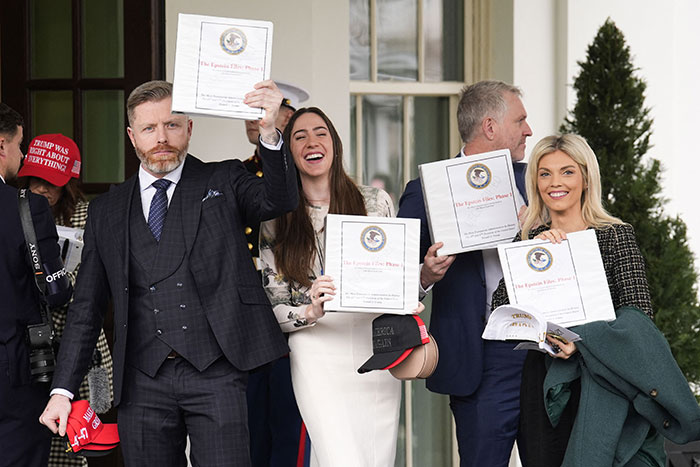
273, 417
156, 415
23, 440
540, 444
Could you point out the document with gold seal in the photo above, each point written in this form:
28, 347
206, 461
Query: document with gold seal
373, 262
217, 61
471, 202
565, 282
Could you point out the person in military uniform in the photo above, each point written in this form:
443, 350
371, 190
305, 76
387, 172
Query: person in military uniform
277, 434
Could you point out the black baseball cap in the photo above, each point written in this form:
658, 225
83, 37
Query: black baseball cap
393, 339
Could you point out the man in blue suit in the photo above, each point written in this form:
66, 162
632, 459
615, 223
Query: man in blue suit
481, 377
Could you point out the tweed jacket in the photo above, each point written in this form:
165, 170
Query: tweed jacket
57, 455
59, 315
217, 200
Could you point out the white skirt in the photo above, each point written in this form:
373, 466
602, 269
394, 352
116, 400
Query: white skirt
352, 418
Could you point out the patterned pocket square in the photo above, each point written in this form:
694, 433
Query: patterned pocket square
212, 194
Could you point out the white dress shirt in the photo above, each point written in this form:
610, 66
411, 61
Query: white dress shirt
148, 190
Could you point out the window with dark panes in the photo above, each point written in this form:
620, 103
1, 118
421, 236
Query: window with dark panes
68, 67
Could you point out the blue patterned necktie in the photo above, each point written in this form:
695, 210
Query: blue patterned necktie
159, 207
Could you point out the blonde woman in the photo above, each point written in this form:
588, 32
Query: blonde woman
563, 186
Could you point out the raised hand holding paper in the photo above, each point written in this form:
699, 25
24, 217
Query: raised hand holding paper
471, 202
217, 61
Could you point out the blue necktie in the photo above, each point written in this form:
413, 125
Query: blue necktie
159, 207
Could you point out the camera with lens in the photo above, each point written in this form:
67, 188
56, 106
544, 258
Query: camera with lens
42, 360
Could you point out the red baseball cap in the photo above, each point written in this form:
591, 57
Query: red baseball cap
86, 434
54, 158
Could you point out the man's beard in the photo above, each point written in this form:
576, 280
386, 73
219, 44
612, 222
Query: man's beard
158, 164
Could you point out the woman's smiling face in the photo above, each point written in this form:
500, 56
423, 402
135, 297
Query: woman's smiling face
560, 183
312, 145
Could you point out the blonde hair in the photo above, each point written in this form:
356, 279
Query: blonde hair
576, 147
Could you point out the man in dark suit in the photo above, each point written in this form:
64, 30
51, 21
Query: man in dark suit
190, 315
481, 377
22, 440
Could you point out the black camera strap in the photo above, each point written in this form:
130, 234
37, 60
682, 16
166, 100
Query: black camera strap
25, 215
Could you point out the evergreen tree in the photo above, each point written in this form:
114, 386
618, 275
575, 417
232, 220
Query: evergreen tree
610, 114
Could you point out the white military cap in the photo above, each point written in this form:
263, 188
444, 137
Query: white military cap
293, 95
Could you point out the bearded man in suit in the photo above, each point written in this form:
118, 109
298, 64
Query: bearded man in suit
190, 315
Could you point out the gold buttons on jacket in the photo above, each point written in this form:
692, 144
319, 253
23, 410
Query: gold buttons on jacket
653, 393
248, 230
259, 173
250, 246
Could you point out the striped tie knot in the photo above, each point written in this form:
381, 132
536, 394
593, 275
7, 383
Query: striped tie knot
161, 184
159, 207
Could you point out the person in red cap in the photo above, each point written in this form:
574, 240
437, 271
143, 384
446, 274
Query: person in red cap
51, 169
